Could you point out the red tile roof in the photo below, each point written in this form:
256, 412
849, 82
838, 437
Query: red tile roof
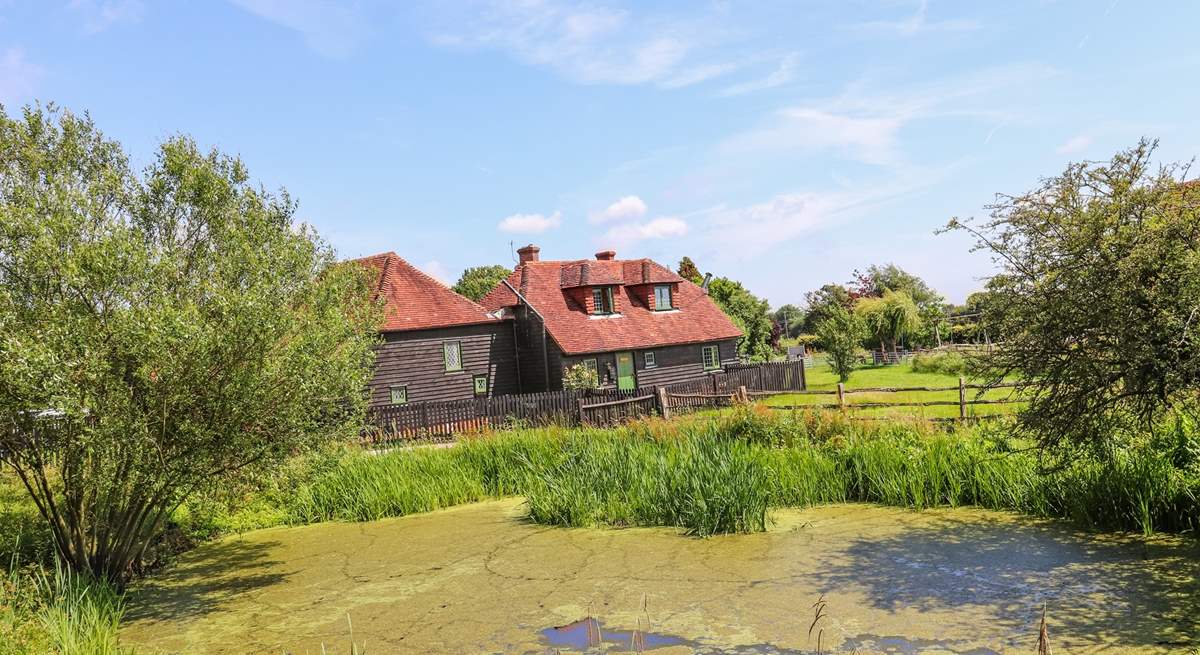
414, 301
544, 284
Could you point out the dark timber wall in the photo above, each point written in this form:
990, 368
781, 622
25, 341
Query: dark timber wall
672, 363
533, 356
415, 359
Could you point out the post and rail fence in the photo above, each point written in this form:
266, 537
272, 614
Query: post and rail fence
842, 403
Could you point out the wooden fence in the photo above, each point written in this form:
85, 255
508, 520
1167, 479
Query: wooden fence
442, 420
843, 404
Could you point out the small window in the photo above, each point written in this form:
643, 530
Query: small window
452, 355
399, 394
602, 300
711, 357
650, 360
589, 364
481, 385
662, 297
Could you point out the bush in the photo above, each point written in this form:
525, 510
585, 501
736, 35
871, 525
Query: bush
946, 363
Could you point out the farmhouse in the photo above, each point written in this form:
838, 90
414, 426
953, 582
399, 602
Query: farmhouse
636, 322
436, 344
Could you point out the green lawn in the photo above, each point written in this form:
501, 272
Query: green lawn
821, 378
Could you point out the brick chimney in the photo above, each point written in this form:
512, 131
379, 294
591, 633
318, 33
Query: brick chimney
606, 255
528, 254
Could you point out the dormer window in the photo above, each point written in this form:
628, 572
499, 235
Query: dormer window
662, 297
602, 300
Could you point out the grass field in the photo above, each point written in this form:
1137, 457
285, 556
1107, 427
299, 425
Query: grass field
821, 378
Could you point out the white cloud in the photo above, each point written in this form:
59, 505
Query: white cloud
331, 29
626, 208
99, 15
530, 223
438, 271
18, 76
585, 43
1074, 145
918, 23
869, 139
780, 76
659, 228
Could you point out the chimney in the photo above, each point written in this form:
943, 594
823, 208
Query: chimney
528, 254
606, 255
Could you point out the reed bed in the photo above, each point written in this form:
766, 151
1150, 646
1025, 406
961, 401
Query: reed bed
723, 474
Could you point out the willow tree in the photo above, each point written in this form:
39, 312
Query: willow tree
160, 333
889, 318
1097, 296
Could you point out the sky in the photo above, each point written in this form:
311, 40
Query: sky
782, 144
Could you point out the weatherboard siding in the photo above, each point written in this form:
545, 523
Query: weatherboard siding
415, 359
680, 363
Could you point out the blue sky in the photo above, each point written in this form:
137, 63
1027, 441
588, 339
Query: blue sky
783, 144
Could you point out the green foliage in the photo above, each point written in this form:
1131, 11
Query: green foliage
59, 611
1098, 299
580, 377
889, 318
688, 271
477, 281
840, 334
946, 363
792, 317
822, 302
749, 313
182, 328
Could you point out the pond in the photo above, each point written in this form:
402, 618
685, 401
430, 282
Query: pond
482, 579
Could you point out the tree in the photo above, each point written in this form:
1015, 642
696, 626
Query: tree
476, 282
160, 335
879, 279
791, 319
840, 332
822, 302
688, 271
1098, 296
748, 312
890, 318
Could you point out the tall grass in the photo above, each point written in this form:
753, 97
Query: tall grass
722, 475
55, 610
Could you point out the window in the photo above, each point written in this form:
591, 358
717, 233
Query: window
602, 300
481, 385
650, 360
589, 364
452, 355
399, 394
711, 357
662, 297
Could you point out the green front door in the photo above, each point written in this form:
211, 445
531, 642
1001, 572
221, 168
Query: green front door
625, 379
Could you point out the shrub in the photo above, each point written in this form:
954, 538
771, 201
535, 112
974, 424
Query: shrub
946, 363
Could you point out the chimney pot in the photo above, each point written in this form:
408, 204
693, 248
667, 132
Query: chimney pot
606, 255
528, 254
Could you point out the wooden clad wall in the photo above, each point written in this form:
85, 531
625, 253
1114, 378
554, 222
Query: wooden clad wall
673, 364
415, 359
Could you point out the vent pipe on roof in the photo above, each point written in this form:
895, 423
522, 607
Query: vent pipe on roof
707, 279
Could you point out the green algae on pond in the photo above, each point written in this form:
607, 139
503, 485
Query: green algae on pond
481, 578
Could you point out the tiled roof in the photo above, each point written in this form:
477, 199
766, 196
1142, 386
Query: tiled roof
543, 284
414, 301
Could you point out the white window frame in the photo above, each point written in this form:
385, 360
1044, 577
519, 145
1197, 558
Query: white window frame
649, 359
659, 307
446, 355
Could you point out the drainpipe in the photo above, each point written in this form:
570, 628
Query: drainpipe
545, 349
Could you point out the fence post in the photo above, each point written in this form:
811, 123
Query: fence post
580, 412
962, 399
713, 377
803, 376
742, 395
841, 395
663, 407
